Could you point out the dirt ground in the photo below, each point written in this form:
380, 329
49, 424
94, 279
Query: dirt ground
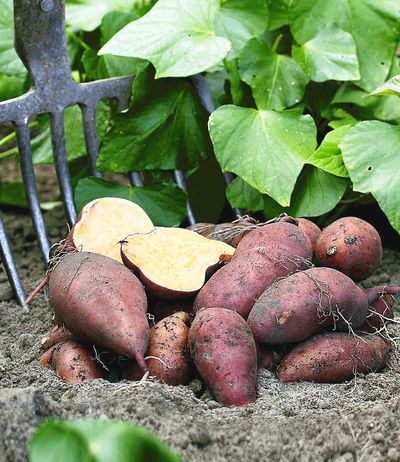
352, 421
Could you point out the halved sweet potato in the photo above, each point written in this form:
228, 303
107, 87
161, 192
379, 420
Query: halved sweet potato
104, 222
172, 262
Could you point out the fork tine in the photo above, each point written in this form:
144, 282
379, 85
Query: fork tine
181, 182
28, 175
61, 163
11, 269
91, 137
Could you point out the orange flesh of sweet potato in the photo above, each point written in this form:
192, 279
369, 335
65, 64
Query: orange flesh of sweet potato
334, 357
104, 222
172, 262
101, 302
224, 352
352, 246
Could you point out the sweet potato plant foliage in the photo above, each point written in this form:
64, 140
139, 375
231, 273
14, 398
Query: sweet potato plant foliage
303, 116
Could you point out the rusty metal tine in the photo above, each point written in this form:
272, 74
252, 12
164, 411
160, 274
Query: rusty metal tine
135, 179
61, 163
181, 182
28, 175
91, 137
11, 269
200, 83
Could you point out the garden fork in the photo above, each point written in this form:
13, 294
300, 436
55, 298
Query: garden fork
40, 42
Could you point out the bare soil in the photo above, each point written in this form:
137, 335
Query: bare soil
353, 421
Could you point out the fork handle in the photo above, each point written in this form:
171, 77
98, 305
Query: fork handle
40, 40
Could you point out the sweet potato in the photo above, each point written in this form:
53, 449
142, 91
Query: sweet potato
224, 352
104, 222
352, 246
172, 263
268, 357
167, 356
304, 303
57, 335
160, 309
380, 312
270, 252
334, 357
72, 362
101, 302
311, 229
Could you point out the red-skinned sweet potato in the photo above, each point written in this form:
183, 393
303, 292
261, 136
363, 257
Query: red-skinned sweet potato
311, 229
334, 357
268, 357
58, 334
224, 353
270, 252
167, 356
306, 302
381, 300
352, 246
101, 302
72, 362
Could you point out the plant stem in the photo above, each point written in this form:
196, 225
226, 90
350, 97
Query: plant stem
276, 43
12, 135
78, 40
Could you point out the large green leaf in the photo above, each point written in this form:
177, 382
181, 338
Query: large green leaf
278, 13
267, 149
330, 55
177, 36
328, 156
87, 14
371, 153
105, 66
316, 193
391, 87
9, 60
374, 25
96, 441
241, 20
165, 129
164, 203
243, 196
277, 81
11, 86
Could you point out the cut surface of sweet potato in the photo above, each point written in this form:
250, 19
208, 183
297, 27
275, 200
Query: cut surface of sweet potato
173, 262
104, 222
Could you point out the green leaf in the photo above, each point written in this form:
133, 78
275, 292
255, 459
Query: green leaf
87, 14
13, 193
330, 55
96, 441
391, 87
328, 156
165, 129
9, 60
371, 153
276, 81
316, 193
278, 13
11, 86
241, 20
164, 203
243, 196
374, 25
178, 38
105, 66
267, 149
75, 142
341, 118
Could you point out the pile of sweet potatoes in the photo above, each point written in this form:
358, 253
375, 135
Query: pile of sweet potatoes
174, 305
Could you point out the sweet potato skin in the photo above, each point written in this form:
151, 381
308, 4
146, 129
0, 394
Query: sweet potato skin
224, 352
270, 252
101, 302
380, 311
311, 229
352, 246
298, 306
169, 343
72, 362
334, 357
57, 335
